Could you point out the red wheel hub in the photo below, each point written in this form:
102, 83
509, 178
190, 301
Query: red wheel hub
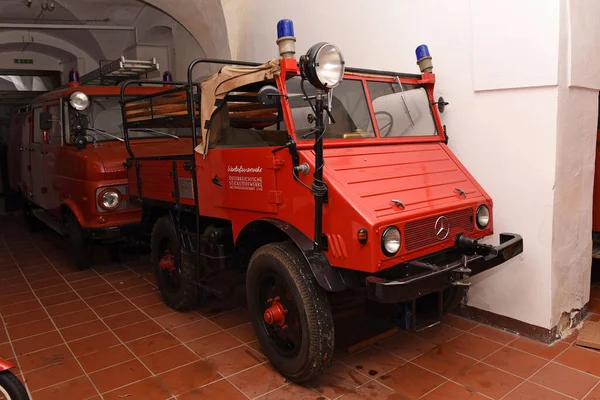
167, 262
275, 314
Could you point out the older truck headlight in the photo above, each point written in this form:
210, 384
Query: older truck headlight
109, 199
323, 66
79, 101
391, 241
482, 216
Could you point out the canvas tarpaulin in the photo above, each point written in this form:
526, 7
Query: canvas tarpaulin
229, 78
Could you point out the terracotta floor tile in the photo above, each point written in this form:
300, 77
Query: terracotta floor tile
38, 342
594, 394
114, 308
594, 306
30, 329
138, 330
474, 346
176, 319
195, 330
406, 346
488, 380
78, 388
213, 344
83, 330
18, 298
148, 300
59, 299
170, 358
372, 361
13, 290
245, 332
148, 389
493, 334
452, 391
516, 362
371, 391
141, 290
53, 290
76, 318
3, 335
218, 390
262, 379
531, 391
445, 361
119, 375
6, 351
459, 322
66, 308
64, 370
570, 339
231, 319
119, 274
539, 349
157, 310
19, 308
42, 276
105, 358
44, 358
582, 359
12, 281
153, 343
95, 290
80, 275
236, 360
439, 334
411, 380
335, 380
104, 299
93, 344
595, 292
189, 377
565, 380
127, 318
88, 283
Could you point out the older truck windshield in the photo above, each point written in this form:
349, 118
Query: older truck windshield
105, 123
399, 111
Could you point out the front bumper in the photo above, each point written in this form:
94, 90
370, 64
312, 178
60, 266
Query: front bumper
421, 277
112, 233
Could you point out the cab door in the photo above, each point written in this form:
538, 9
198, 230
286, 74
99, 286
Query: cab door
36, 160
51, 146
25, 161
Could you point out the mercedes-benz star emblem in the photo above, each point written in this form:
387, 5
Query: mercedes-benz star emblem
442, 228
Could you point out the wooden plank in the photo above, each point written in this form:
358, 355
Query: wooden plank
243, 114
145, 104
160, 110
589, 336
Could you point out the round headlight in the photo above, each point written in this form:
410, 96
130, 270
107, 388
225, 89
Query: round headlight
390, 241
109, 199
323, 66
483, 216
79, 101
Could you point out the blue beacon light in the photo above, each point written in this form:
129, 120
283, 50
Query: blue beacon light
285, 38
74, 78
424, 59
167, 77
285, 27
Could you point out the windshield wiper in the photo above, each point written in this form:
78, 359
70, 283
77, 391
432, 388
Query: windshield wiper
154, 131
105, 133
406, 110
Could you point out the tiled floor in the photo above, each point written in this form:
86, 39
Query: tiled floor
105, 334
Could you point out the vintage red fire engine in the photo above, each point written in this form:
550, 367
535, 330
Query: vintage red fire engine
67, 155
309, 178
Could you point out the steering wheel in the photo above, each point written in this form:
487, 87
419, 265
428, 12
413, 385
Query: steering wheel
385, 128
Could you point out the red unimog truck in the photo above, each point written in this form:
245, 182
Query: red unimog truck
67, 153
308, 178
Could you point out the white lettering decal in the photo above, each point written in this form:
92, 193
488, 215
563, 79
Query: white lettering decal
241, 182
241, 169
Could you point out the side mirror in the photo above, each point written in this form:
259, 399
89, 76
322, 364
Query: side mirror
45, 121
269, 95
442, 104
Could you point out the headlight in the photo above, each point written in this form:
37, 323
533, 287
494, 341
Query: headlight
483, 216
79, 101
109, 199
390, 241
323, 66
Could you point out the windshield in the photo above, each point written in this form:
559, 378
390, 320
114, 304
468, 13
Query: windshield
348, 106
105, 122
401, 110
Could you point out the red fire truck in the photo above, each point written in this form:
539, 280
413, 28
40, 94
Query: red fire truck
308, 178
67, 154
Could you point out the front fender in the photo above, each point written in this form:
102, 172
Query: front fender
5, 365
264, 231
72, 206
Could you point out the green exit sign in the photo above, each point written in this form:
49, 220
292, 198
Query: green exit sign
23, 61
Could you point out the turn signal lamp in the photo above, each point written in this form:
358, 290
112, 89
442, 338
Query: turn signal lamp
74, 78
362, 235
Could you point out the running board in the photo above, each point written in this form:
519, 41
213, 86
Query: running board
49, 219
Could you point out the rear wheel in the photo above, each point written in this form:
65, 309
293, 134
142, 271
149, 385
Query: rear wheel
176, 280
290, 311
11, 387
80, 243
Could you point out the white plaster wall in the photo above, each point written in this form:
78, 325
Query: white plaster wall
506, 138
40, 61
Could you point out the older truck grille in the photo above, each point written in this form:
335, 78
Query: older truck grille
422, 233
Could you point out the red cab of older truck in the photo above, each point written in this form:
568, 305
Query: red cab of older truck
309, 178
68, 156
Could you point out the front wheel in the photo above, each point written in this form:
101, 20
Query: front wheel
290, 312
80, 243
11, 387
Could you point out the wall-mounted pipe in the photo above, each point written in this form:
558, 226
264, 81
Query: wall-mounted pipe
67, 26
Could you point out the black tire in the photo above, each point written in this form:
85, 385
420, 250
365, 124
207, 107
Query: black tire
12, 386
178, 286
31, 221
298, 352
80, 244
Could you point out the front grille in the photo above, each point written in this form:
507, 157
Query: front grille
421, 233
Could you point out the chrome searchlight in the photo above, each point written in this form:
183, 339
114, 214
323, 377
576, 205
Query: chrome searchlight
79, 101
323, 66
